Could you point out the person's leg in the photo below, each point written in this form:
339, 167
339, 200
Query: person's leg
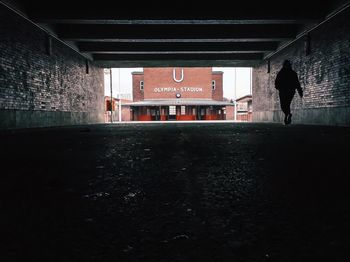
284, 105
289, 100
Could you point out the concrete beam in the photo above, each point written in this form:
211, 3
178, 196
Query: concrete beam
177, 40
183, 57
179, 10
175, 63
91, 21
112, 47
109, 32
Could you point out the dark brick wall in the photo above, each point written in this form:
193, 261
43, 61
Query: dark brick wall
33, 81
324, 75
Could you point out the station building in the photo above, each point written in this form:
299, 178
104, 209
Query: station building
190, 93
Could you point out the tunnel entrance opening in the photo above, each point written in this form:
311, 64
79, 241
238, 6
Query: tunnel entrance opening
170, 94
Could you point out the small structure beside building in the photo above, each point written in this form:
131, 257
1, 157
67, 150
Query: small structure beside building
244, 108
114, 109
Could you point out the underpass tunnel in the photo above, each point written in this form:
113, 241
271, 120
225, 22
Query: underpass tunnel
74, 188
52, 57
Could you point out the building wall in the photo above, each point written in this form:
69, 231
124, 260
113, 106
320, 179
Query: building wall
196, 77
137, 94
244, 117
218, 92
126, 112
42, 89
324, 75
230, 113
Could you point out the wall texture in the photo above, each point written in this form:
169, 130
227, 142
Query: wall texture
42, 85
324, 75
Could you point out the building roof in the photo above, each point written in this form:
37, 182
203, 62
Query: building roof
108, 98
180, 102
244, 98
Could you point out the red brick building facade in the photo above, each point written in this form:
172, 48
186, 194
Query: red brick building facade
178, 94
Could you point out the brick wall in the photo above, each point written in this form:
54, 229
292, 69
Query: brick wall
137, 94
324, 75
218, 92
42, 88
230, 113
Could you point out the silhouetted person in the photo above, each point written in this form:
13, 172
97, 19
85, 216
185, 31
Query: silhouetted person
286, 83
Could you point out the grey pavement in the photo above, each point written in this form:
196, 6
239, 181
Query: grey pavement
175, 192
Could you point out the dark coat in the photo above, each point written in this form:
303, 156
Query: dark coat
287, 81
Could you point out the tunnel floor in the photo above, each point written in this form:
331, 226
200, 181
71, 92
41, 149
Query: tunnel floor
176, 192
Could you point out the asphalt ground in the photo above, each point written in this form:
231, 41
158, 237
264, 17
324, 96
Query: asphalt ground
175, 192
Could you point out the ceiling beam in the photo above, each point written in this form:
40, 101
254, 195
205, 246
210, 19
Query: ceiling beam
201, 32
87, 21
112, 47
176, 63
174, 52
176, 40
178, 10
183, 57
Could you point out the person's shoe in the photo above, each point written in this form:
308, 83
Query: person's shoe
289, 119
286, 119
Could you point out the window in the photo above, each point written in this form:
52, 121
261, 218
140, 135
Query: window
213, 84
172, 110
183, 110
141, 85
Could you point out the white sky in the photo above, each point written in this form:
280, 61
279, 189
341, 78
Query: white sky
242, 75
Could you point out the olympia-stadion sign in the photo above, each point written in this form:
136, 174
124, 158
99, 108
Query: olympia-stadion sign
179, 89
174, 89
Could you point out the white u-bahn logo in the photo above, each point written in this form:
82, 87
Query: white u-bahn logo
181, 78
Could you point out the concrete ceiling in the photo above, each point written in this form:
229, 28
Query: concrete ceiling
177, 33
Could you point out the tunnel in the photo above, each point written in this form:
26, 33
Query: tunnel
74, 188
52, 59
